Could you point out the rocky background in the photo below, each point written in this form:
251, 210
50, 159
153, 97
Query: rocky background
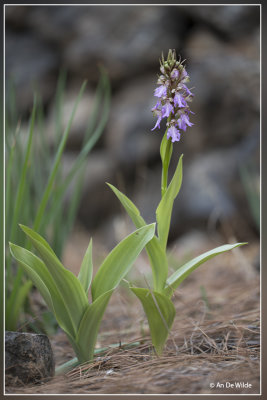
221, 45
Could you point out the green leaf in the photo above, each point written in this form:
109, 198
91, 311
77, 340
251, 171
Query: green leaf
86, 271
159, 263
129, 206
42, 279
164, 210
27, 230
157, 256
66, 282
119, 261
36, 270
160, 313
87, 334
15, 305
178, 276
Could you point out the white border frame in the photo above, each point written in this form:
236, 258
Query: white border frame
260, 53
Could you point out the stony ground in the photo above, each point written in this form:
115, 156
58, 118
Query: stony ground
215, 339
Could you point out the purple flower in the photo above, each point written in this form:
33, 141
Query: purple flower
156, 106
167, 109
175, 74
184, 74
172, 95
179, 100
161, 91
159, 115
174, 134
157, 123
183, 122
188, 92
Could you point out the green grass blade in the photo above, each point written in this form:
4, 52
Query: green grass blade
17, 209
88, 145
42, 279
8, 184
56, 164
15, 305
11, 104
160, 314
59, 101
66, 282
164, 210
157, 256
119, 261
87, 334
178, 276
8, 206
86, 271
102, 106
22, 182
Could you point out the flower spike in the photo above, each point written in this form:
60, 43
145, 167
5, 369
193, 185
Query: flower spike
173, 96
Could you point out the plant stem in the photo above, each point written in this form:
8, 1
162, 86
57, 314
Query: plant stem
165, 167
67, 366
165, 154
61, 369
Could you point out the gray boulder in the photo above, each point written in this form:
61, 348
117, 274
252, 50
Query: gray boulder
30, 65
136, 36
227, 88
28, 358
129, 138
230, 21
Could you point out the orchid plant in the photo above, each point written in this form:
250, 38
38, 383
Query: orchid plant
173, 97
67, 295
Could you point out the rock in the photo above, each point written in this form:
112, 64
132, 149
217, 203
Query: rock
147, 193
30, 64
221, 46
231, 21
212, 186
28, 358
129, 138
227, 89
126, 40
80, 121
97, 201
56, 25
